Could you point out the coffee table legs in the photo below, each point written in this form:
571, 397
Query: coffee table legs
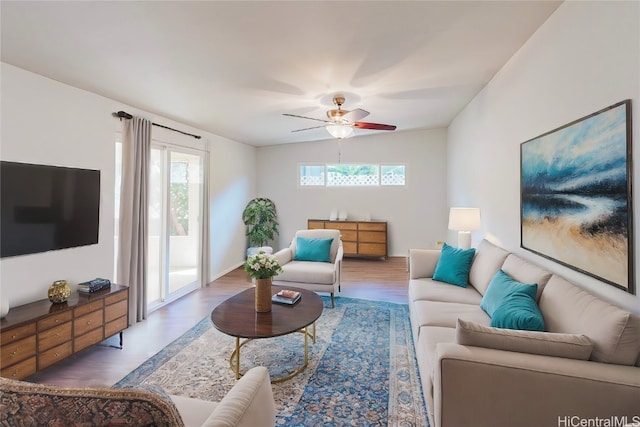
234, 360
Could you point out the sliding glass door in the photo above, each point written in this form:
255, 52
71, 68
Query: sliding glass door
175, 223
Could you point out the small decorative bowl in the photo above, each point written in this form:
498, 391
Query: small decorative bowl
59, 291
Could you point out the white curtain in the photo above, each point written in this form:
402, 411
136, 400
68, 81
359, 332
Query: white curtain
133, 232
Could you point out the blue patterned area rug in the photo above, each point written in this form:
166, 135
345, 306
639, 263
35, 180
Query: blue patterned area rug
362, 369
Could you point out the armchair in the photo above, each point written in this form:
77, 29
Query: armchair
306, 272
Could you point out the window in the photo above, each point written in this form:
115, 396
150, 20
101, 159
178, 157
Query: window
351, 175
392, 174
311, 175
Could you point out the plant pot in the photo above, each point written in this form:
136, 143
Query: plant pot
263, 295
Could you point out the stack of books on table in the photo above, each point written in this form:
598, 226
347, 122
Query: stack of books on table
286, 297
94, 285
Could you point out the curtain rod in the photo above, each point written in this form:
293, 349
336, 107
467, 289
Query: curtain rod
125, 115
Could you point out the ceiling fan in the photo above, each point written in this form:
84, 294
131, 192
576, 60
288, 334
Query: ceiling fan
342, 122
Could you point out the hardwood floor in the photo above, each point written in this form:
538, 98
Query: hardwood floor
104, 365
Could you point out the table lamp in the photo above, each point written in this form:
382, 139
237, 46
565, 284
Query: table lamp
464, 220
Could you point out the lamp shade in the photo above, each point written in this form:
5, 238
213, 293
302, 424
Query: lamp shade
339, 131
464, 219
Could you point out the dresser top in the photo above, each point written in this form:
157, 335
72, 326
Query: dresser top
42, 308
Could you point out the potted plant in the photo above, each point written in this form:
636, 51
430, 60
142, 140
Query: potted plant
262, 267
261, 220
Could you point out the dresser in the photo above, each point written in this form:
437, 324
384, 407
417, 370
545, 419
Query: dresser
359, 238
37, 335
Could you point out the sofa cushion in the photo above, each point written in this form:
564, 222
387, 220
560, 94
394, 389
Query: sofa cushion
569, 346
453, 265
499, 289
194, 412
446, 314
525, 272
487, 261
431, 290
315, 250
518, 311
308, 272
615, 332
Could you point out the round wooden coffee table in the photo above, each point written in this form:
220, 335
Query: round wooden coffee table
237, 317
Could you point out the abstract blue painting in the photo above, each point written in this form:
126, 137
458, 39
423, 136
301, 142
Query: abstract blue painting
575, 201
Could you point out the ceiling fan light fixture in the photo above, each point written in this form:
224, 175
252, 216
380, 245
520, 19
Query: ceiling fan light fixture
339, 131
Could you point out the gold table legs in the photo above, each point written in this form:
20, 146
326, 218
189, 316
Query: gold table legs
234, 359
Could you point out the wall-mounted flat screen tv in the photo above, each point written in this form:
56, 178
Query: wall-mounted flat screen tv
45, 208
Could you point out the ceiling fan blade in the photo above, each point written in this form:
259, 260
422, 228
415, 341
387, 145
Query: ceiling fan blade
304, 117
373, 126
355, 115
300, 130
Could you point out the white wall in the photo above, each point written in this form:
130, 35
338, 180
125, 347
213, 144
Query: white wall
46, 122
584, 58
416, 213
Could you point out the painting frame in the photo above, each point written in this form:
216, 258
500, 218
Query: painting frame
576, 205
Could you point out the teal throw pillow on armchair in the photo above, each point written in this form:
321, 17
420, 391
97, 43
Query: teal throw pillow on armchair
500, 287
318, 250
453, 265
518, 311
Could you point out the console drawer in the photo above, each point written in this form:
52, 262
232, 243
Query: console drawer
87, 340
54, 336
84, 324
51, 356
350, 247
18, 350
18, 333
312, 225
20, 370
371, 237
89, 307
332, 225
112, 312
115, 326
372, 249
116, 297
55, 320
349, 235
372, 226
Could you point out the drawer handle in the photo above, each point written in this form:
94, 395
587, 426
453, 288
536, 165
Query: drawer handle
58, 334
13, 336
57, 354
57, 320
15, 373
89, 322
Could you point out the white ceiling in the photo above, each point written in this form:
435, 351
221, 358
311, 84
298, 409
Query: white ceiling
233, 68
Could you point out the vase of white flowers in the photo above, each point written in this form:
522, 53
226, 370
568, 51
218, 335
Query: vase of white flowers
262, 267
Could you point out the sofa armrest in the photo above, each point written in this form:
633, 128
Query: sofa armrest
486, 387
339, 254
248, 404
284, 256
422, 262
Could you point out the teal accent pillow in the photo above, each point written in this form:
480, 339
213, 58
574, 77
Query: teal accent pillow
501, 286
518, 311
317, 250
453, 265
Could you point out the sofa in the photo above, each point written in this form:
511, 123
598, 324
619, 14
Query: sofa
583, 366
249, 404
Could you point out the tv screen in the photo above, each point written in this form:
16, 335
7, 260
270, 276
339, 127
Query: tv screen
44, 208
